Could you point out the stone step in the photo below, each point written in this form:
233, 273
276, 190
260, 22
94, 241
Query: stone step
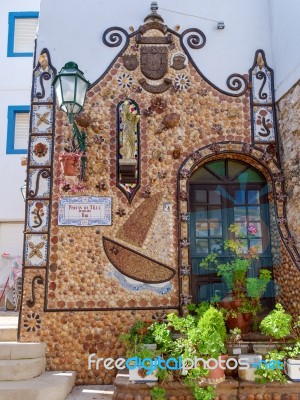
19, 351
52, 385
8, 334
92, 392
15, 370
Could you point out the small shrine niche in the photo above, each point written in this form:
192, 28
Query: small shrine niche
128, 148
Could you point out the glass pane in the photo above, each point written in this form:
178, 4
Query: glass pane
215, 213
250, 176
253, 213
202, 175
239, 196
242, 228
201, 196
256, 243
214, 197
201, 212
201, 229
217, 167
254, 230
216, 246
243, 243
253, 196
202, 246
235, 168
215, 229
240, 213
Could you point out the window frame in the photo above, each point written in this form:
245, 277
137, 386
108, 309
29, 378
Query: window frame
12, 16
227, 215
11, 127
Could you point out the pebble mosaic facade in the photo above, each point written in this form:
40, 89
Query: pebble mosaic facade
83, 286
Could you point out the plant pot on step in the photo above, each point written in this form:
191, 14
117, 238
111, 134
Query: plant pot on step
70, 163
238, 322
216, 375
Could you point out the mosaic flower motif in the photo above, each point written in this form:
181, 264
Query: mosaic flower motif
185, 300
290, 240
184, 217
282, 220
40, 149
185, 270
182, 82
184, 243
185, 174
147, 192
125, 81
98, 139
278, 177
281, 196
121, 212
215, 148
247, 148
35, 250
267, 157
196, 155
101, 186
160, 316
32, 322
114, 250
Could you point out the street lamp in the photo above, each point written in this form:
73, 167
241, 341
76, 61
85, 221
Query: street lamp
70, 87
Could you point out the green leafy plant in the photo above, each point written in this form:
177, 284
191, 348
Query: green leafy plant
266, 374
277, 323
137, 335
234, 272
158, 393
257, 286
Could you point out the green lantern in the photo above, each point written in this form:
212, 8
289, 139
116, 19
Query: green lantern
70, 86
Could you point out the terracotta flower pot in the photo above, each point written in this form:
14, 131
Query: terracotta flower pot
237, 322
70, 164
216, 375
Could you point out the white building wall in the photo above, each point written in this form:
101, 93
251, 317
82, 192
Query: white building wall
285, 35
15, 88
78, 32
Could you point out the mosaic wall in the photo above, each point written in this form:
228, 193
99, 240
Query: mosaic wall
289, 128
83, 285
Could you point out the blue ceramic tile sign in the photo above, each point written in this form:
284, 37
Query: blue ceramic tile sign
84, 211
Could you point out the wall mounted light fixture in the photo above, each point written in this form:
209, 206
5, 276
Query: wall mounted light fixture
70, 87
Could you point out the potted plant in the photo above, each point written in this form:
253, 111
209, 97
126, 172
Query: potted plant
140, 345
243, 292
292, 361
201, 335
234, 342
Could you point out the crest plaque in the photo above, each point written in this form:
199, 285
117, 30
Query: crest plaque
154, 61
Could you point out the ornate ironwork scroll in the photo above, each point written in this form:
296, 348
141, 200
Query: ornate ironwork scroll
115, 39
40, 281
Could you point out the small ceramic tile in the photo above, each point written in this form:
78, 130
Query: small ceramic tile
42, 119
36, 248
264, 124
39, 183
40, 150
38, 216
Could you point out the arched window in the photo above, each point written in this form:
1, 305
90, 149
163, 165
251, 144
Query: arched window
222, 193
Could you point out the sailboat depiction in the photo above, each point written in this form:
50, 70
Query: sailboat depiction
130, 262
